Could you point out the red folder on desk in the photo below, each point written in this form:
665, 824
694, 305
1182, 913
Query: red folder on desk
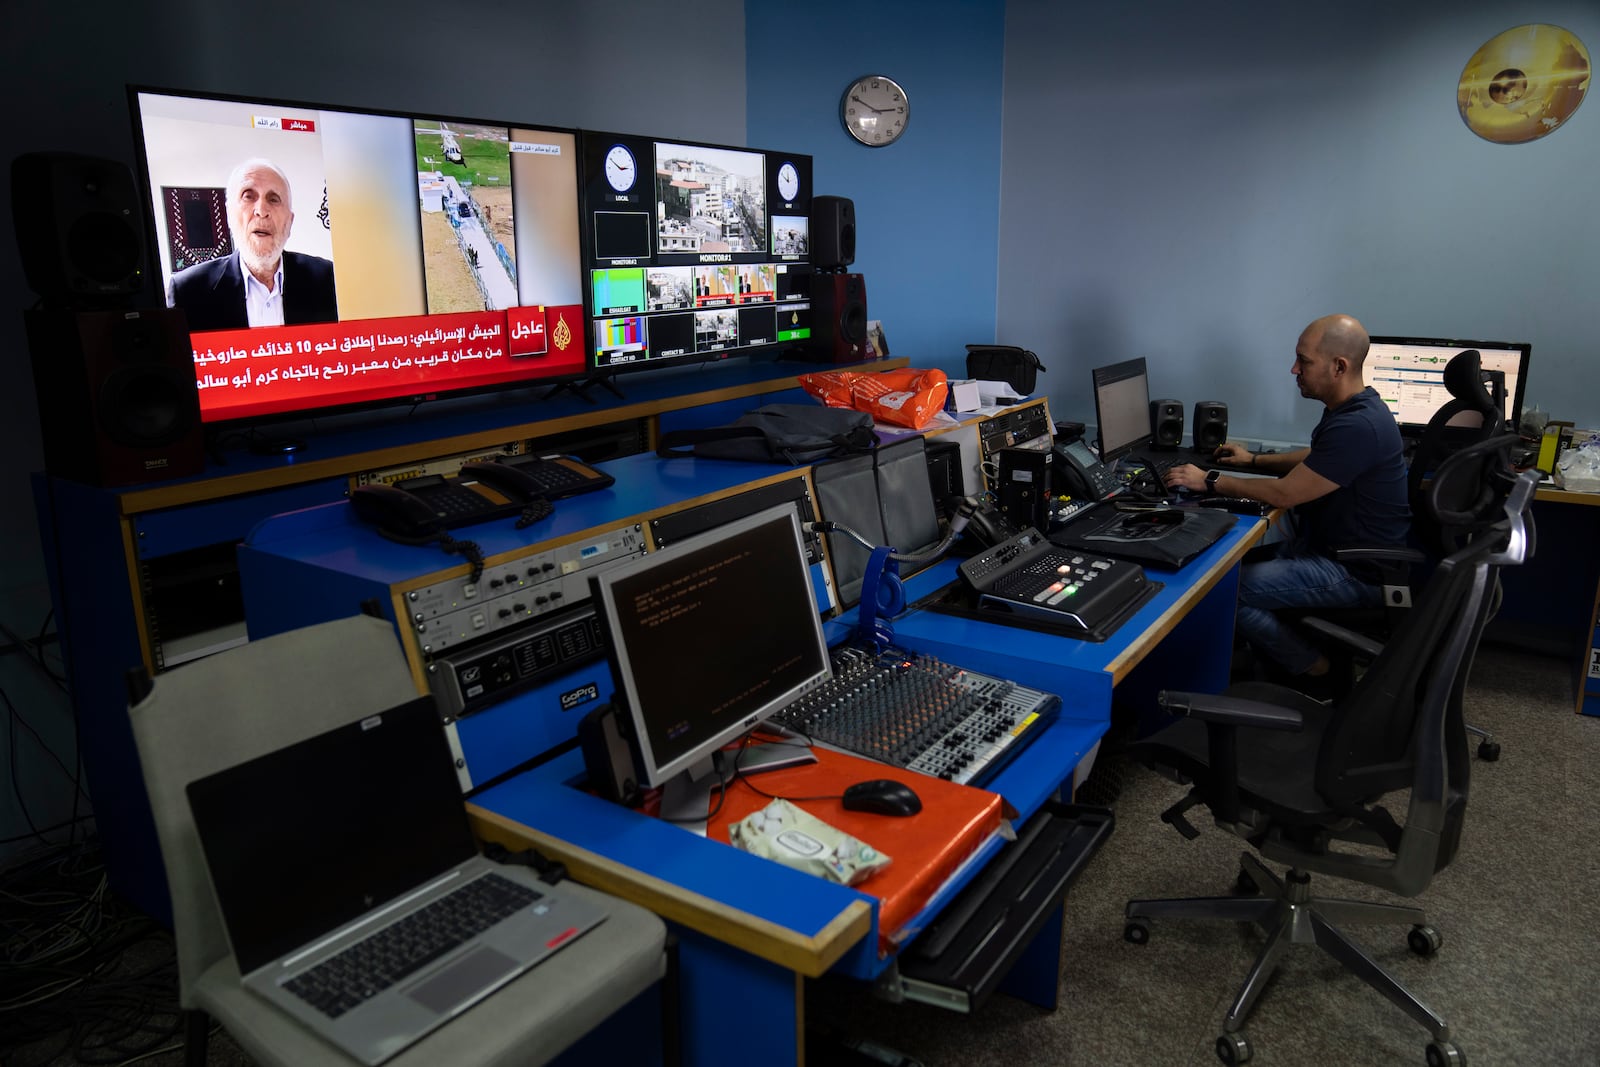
926, 848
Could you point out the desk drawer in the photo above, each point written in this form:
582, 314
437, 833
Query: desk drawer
958, 961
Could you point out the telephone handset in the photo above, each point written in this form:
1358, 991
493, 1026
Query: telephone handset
396, 511
514, 484
1083, 475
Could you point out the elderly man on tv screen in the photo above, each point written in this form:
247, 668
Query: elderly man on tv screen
260, 284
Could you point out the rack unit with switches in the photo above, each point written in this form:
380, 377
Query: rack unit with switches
456, 611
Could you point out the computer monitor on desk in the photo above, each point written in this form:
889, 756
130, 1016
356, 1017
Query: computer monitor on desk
1408, 373
706, 639
1122, 409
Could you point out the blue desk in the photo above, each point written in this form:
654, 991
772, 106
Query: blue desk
743, 923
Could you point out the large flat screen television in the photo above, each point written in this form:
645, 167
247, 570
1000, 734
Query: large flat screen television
693, 252
409, 256
1408, 373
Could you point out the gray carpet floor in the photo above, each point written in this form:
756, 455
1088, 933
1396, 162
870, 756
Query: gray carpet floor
1516, 977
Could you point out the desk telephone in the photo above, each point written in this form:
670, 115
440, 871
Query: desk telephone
1082, 475
420, 508
424, 507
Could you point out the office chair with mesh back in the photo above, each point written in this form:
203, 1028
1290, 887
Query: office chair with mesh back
1303, 781
1473, 392
269, 694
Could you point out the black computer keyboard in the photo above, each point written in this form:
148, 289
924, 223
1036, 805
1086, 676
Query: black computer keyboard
560, 476
921, 714
368, 967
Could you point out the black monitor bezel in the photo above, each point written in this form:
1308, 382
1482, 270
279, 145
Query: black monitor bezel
306, 414
655, 771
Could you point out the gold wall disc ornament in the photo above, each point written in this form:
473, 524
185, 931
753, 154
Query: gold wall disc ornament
1523, 83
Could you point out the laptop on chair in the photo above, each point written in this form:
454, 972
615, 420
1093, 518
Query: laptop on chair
333, 858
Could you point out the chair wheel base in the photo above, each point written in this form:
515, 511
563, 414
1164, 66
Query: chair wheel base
1444, 1054
1424, 940
1233, 1049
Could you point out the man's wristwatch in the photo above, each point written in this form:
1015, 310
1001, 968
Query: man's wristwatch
1211, 479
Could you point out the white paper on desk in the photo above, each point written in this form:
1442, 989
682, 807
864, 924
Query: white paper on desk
996, 392
940, 420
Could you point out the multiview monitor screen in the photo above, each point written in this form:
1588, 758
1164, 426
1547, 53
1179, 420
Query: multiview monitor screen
694, 252
328, 258
1408, 373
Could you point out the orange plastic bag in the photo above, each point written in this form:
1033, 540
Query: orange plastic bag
905, 397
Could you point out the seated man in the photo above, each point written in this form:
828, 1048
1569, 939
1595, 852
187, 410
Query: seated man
1348, 488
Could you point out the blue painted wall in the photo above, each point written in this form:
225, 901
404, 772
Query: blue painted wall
927, 207
1194, 183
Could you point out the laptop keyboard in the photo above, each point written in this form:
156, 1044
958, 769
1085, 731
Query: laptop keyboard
368, 967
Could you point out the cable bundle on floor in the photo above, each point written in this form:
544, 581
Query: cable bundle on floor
83, 975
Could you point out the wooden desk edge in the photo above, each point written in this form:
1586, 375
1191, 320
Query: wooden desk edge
810, 956
1158, 631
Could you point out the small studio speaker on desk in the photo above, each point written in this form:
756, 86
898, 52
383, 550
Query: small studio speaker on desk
1210, 424
839, 317
1166, 422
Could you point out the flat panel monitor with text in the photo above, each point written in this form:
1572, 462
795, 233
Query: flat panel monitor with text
710, 636
1122, 408
328, 258
1408, 373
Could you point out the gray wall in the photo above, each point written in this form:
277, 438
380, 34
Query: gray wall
1194, 183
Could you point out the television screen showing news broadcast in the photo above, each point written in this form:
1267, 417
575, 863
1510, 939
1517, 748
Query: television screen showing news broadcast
327, 258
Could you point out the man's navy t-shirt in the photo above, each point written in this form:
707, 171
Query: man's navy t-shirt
1357, 447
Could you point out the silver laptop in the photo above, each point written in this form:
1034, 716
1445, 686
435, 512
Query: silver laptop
342, 860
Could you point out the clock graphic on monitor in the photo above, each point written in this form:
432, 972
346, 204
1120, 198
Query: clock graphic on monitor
620, 170
788, 181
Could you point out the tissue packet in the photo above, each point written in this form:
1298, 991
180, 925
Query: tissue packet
782, 832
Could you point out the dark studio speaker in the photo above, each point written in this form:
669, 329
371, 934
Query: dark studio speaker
1166, 422
1210, 424
839, 317
833, 232
79, 229
118, 403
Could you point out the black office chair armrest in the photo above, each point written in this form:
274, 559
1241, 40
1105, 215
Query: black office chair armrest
1229, 711
1359, 643
1223, 715
1378, 553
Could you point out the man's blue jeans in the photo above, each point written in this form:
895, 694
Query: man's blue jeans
1290, 582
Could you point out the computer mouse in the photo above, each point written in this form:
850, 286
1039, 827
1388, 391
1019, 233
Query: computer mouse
882, 796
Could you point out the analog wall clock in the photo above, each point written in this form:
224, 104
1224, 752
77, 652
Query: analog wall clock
620, 170
788, 181
875, 110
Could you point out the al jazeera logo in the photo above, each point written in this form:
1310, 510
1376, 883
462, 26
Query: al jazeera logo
561, 336
1523, 83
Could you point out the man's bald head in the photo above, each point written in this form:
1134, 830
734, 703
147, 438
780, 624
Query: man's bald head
1337, 336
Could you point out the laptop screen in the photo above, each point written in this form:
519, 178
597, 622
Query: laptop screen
307, 838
